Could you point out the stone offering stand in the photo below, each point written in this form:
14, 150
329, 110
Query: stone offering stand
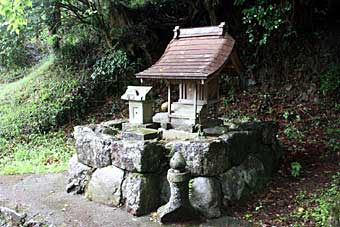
128, 168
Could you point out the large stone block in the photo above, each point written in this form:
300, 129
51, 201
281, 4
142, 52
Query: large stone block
233, 184
239, 144
239, 181
254, 175
270, 156
206, 196
93, 149
203, 157
138, 156
141, 193
79, 176
165, 189
268, 130
105, 186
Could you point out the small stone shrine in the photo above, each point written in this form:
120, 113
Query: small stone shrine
147, 169
140, 105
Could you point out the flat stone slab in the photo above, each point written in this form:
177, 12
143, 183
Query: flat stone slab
140, 134
215, 131
44, 195
117, 123
173, 134
130, 126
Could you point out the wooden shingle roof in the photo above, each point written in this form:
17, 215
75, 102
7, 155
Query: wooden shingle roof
194, 53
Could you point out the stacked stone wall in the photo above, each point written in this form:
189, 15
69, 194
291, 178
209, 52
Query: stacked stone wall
132, 173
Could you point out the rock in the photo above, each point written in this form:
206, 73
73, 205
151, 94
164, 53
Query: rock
34, 223
141, 193
132, 126
237, 182
11, 218
233, 184
138, 156
165, 189
105, 130
239, 144
204, 158
161, 118
270, 156
117, 123
141, 134
105, 186
253, 172
93, 149
206, 196
215, 131
79, 176
268, 130
173, 134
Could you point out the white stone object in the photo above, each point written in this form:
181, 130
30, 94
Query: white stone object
140, 105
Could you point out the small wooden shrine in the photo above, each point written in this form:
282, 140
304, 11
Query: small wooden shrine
192, 61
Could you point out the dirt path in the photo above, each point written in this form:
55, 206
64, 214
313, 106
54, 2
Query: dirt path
43, 196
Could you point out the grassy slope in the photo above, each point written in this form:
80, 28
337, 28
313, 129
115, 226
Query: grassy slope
29, 108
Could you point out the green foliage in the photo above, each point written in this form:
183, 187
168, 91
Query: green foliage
12, 49
40, 153
12, 12
320, 203
293, 133
330, 79
36, 103
263, 17
110, 66
295, 169
8, 76
77, 54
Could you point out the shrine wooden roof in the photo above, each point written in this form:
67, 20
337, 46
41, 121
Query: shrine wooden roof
193, 53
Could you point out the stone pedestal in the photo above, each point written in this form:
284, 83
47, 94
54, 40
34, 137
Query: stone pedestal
178, 209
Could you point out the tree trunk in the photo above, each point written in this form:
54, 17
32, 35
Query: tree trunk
54, 13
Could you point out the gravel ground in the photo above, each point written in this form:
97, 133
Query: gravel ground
43, 197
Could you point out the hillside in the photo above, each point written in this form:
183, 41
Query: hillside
31, 111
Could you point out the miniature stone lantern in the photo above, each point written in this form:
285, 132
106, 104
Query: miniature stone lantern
140, 105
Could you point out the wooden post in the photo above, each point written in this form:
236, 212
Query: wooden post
195, 100
169, 98
180, 91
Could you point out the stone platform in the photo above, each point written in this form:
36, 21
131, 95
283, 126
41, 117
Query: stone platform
129, 171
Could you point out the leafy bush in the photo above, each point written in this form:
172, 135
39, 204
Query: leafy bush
295, 169
323, 202
12, 49
81, 53
330, 79
110, 66
263, 18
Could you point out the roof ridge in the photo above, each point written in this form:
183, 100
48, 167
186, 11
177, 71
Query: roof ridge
218, 30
